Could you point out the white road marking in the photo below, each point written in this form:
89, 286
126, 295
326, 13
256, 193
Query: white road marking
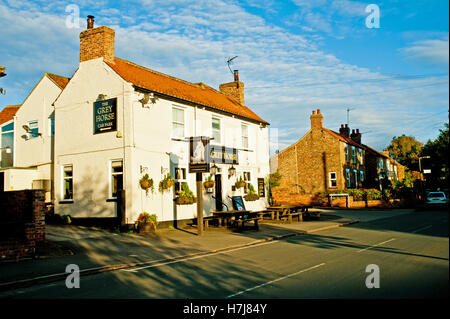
275, 280
196, 257
384, 242
423, 228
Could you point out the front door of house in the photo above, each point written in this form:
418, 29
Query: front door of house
218, 195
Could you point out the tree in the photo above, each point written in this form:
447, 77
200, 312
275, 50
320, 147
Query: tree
406, 150
438, 163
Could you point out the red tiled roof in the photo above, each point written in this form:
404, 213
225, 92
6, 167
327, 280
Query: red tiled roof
8, 113
59, 80
167, 85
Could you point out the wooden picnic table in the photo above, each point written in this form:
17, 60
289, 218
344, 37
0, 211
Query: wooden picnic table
237, 218
281, 212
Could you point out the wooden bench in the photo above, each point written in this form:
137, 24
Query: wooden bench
241, 222
208, 219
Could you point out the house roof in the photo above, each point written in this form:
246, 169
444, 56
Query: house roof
59, 80
343, 138
200, 93
8, 113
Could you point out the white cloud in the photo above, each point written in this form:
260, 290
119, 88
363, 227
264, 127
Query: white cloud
433, 51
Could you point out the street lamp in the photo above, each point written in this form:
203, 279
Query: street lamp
420, 171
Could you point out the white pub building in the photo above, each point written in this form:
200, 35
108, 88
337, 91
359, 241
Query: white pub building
116, 122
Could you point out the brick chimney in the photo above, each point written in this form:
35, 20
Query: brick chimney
316, 119
344, 130
356, 136
234, 89
96, 42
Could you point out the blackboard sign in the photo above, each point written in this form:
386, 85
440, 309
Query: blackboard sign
261, 189
105, 116
238, 203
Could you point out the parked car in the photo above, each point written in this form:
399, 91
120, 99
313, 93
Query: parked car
436, 199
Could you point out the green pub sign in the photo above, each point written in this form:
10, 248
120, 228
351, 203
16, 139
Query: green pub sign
105, 116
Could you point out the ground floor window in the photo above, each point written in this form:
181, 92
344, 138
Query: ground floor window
68, 182
116, 177
347, 177
332, 180
180, 178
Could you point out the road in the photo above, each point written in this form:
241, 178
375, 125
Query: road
411, 252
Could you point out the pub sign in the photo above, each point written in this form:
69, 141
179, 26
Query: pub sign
198, 154
105, 116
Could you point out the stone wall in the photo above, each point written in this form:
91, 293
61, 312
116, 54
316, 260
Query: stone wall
22, 223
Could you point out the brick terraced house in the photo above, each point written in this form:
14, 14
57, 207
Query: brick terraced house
324, 160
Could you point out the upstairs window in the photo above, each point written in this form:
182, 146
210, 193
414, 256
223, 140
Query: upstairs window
177, 123
360, 156
346, 153
244, 129
216, 130
353, 155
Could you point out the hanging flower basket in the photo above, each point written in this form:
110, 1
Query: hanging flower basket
240, 183
209, 183
185, 196
166, 183
146, 183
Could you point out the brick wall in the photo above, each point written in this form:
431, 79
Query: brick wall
22, 221
234, 90
96, 43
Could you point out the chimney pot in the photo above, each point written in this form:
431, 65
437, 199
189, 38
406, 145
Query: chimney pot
90, 21
314, 112
318, 111
236, 76
357, 130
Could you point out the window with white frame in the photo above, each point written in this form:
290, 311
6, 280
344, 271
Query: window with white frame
216, 130
346, 153
67, 182
179, 178
361, 176
355, 176
116, 169
332, 180
177, 122
34, 128
380, 163
244, 129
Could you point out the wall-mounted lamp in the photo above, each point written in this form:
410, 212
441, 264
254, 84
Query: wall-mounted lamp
214, 169
28, 130
231, 171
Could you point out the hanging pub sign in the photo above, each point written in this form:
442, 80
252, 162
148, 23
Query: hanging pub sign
198, 154
105, 116
223, 155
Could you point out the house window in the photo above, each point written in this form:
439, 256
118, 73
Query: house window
353, 155
216, 130
361, 176
380, 161
180, 178
116, 177
247, 179
347, 177
244, 129
177, 123
360, 156
332, 180
346, 153
355, 176
67, 182
34, 128
7, 141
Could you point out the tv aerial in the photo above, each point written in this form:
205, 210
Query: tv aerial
229, 61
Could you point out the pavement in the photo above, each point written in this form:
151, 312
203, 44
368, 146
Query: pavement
96, 250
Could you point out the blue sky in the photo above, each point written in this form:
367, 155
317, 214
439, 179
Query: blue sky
293, 56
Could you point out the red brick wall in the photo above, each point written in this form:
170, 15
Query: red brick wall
33, 201
96, 43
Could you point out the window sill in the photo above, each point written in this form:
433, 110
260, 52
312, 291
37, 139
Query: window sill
111, 200
67, 201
